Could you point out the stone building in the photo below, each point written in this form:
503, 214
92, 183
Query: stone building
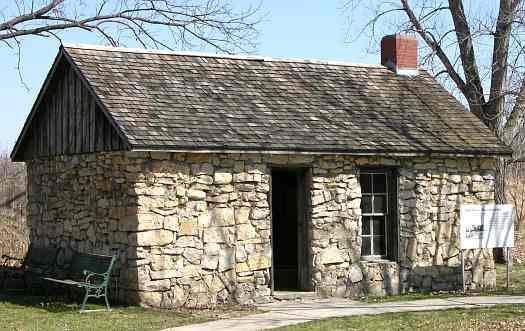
218, 177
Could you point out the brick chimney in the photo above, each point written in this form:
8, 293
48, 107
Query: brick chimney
399, 53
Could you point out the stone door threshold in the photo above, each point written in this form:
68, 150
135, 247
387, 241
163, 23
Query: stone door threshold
294, 295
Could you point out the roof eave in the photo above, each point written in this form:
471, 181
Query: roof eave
503, 152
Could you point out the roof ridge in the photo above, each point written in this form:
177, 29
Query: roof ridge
221, 56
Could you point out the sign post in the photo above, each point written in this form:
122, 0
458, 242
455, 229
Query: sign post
486, 226
509, 265
462, 271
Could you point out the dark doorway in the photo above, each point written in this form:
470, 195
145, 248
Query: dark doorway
289, 230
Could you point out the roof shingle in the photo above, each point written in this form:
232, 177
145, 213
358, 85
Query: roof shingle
173, 101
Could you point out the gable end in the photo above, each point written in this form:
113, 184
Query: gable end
67, 119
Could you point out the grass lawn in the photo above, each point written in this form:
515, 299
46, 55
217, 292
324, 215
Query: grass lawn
508, 317
511, 317
19, 311
517, 281
25, 312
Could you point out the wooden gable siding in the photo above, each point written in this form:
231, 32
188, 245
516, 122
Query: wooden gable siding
68, 121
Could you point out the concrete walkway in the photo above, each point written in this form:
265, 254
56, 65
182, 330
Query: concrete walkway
289, 312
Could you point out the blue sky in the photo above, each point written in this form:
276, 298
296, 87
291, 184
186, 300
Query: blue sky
292, 28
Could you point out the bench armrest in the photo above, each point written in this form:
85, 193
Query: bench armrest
88, 272
90, 275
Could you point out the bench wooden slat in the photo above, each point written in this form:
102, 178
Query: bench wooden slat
62, 281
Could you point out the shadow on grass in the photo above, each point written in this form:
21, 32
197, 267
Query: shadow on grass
53, 304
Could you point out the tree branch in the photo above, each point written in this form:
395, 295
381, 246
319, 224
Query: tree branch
29, 16
210, 22
500, 52
435, 46
474, 93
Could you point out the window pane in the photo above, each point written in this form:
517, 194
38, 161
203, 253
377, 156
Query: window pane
379, 245
365, 248
366, 204
380, 204
366, 183
366, 225
379, 183
379, 226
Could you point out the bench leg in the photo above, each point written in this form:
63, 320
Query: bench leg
86, 296
106, 299
95, 293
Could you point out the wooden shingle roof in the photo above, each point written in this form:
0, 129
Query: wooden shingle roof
183, 102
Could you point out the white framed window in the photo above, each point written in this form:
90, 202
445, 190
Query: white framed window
378, 211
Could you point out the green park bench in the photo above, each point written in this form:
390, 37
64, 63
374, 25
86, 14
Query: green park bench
90, 272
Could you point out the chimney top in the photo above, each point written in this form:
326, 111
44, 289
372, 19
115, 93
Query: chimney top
399, 53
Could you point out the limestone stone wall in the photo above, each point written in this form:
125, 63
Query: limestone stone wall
195, 229
189, 230
430, 197
431, 191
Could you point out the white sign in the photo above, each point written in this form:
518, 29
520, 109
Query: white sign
486, 226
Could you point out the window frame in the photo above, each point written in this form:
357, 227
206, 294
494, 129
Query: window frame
390, 214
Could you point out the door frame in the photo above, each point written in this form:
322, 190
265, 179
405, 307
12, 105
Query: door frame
304, 261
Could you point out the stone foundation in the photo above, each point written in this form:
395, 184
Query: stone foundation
195, 229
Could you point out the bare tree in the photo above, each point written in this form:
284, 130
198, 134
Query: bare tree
151, 23
457, 37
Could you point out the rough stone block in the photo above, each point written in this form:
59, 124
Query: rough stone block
149, 299
222, 216
210, 262
226, 258
161, 262
332, 255
188, 241
355, 274
189, 228
155, 285
242, 215
196, 194
191, 271
172, 223
141, 222
174, 298
222, 178
151, 238
193, 255
242, 177
204, 179
217, 234
259, 213
258, 261
166, 274
246, 232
